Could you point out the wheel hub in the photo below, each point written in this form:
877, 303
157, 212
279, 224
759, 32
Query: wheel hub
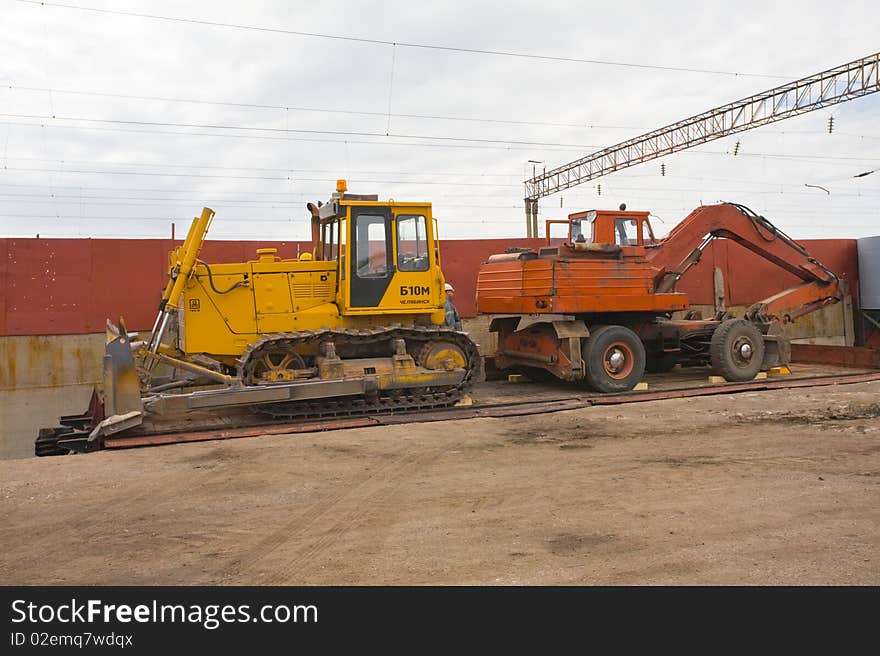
616, 360
743, 350
275, 365
442, 355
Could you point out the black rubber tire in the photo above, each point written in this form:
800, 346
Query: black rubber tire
725, 350
661, 364
599, 345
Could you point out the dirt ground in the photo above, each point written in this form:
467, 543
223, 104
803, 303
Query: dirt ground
760, 488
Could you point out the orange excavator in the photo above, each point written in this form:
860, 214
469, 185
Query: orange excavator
605, 299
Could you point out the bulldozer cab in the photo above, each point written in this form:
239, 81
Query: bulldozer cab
387, 254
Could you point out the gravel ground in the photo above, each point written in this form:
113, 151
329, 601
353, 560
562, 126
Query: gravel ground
761, 488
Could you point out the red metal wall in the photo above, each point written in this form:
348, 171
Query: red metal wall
71, 286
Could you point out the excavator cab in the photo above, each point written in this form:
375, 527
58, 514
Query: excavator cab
620, 228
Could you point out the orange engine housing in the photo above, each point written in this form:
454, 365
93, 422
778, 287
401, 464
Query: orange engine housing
563, 280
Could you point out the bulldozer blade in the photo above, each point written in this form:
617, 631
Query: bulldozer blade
122, 390
116, 423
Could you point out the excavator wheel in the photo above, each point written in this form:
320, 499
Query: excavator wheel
737, 350
614, 357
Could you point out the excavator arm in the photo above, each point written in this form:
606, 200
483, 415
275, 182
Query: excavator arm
675, 254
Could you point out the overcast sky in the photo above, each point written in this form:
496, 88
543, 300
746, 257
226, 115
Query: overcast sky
256, 122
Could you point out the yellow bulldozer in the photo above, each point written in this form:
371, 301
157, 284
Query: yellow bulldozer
354, 326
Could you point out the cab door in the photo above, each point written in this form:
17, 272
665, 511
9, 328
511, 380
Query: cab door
417, 280
371, 256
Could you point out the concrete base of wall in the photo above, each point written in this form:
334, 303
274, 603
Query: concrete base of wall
42, 378
477, 329
24, 412
830, 325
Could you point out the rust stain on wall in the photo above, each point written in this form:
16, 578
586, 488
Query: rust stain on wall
49, 360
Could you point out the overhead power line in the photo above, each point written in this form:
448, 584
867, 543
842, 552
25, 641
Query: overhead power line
200, 166
219, 195
299, 175
260, 137
256, 199
351, 112
177, 174
502, 145
401, 44
248, 128
320, 110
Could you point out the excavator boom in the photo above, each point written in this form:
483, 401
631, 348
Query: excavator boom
675, 254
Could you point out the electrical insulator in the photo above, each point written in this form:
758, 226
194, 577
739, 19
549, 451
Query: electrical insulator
830, 124
560, 201
663, 169
736, 148
598, 190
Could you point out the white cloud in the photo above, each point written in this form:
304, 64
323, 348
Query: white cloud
68, 178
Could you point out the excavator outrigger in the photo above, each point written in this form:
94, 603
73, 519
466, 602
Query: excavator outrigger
610, 287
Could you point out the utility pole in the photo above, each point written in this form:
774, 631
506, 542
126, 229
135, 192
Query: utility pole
532, 208
836, 85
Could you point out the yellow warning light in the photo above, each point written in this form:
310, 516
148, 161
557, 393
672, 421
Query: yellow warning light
341, 186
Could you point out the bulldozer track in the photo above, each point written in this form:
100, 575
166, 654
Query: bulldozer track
417, 398
376, 340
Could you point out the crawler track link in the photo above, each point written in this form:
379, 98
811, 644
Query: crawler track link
375, 340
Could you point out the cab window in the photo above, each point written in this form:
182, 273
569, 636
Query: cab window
412, 243
647, 234
626, 232
330, 239
581, 230
371, 246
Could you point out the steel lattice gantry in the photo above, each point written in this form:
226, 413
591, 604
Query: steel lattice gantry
836, 85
